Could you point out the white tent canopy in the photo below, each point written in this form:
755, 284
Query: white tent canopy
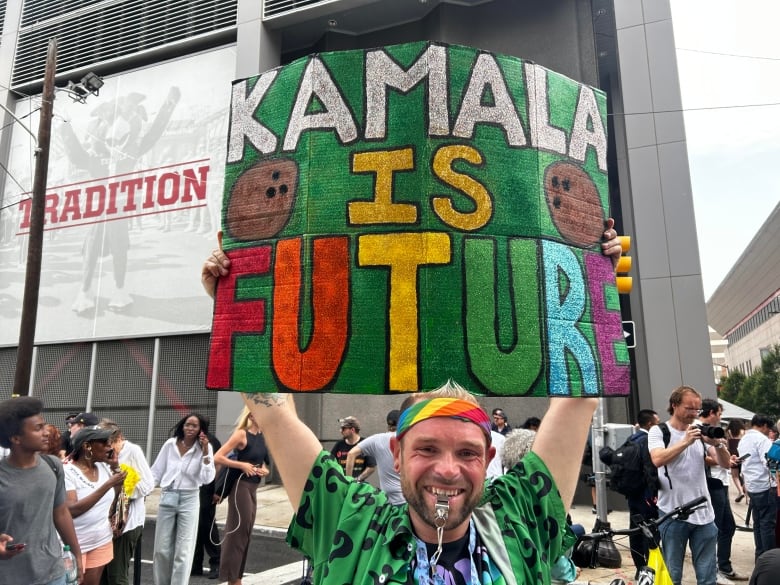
731, 411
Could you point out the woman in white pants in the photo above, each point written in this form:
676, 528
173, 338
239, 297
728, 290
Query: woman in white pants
184, 463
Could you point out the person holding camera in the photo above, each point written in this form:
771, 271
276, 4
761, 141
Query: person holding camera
718, 486
679, 458
252, 460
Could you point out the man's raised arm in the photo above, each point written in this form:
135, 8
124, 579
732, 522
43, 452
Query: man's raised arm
561, 438
293, 446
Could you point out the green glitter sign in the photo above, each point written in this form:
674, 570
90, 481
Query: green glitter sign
406, 214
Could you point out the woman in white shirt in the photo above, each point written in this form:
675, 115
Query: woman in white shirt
184, 463
89, 492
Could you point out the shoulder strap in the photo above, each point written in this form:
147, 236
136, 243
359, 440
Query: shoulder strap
665, 433
667, 436
50, 463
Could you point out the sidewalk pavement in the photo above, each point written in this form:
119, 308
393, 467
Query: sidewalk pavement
742, 549
274, 513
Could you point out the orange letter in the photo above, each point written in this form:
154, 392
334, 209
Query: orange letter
317, 365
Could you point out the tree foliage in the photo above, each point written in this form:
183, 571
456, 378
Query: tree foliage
759, 392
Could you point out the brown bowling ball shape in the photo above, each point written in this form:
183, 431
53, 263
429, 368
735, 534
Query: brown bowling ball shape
574, 204
262, 200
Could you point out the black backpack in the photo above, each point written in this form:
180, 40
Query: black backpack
631, 472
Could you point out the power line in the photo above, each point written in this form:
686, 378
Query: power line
7, 172
701, 109
756, 57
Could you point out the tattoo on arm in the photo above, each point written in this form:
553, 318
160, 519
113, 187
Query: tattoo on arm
268, 400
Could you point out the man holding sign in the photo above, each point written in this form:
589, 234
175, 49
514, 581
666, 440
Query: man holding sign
393, 218
442, 450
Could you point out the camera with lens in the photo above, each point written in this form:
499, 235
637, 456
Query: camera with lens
711, 432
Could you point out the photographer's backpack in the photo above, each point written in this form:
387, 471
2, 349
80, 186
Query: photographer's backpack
773, 457
629, 473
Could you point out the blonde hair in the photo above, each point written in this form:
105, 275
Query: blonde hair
243, 422
678, 395
450, 389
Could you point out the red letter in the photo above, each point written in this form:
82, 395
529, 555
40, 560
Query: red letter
96, 201
192, 185
52, 201
129, 187
25, 207
232, 316
149, 197
171, 179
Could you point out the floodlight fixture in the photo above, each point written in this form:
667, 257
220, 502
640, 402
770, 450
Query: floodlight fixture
90, 84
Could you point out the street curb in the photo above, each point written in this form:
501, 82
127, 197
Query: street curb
258, 529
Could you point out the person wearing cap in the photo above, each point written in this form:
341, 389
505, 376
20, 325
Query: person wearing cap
81, 420
377, 447
350, 436
500, 422
90, 489
67, 444
509, 530
33, 511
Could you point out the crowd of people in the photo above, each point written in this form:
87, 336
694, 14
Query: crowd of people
452, 521
690, 455
95, 495
86, 488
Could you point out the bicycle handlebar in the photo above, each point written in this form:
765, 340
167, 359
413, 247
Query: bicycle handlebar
679, 512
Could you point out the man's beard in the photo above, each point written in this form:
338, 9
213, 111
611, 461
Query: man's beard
416, 498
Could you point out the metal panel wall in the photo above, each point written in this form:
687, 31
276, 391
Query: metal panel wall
122, 383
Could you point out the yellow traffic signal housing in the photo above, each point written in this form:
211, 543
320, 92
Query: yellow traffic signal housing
624, 283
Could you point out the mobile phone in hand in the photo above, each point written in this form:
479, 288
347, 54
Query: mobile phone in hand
741, 459
12, 546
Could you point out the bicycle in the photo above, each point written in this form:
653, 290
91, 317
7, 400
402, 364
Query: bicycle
650, 530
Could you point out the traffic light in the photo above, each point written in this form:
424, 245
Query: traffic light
622, 281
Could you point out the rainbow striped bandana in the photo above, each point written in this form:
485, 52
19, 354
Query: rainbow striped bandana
449, 407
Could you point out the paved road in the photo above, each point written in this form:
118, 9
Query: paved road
270, 561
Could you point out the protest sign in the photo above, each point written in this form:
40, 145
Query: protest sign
402, 215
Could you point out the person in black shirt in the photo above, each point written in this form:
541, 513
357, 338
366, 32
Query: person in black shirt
350, 436
208, 533
252, 459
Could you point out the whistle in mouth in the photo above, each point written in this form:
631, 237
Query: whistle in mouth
442, 508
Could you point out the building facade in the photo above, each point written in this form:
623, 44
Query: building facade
745, 308
135, 182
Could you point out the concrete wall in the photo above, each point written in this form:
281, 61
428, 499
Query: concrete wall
667, 302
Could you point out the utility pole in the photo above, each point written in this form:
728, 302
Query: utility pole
32, 278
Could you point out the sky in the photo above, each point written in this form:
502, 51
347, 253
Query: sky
728, 55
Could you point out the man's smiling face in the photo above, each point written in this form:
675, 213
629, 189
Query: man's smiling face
442, 457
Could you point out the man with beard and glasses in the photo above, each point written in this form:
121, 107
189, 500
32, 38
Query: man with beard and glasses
677, 448
455, 527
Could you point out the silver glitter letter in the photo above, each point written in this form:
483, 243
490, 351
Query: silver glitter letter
317, 83
543, 135
582, 136
487, 73
242, 122
382, 72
